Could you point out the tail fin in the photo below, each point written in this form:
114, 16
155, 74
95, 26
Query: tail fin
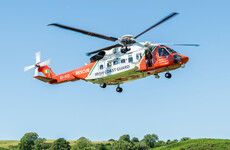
47, 71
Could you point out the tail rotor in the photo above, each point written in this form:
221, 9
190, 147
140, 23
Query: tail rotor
38, 64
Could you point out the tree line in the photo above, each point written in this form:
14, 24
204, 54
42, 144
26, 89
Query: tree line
31, 141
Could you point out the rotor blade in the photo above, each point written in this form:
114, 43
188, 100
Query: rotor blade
36, 72
186, 44
47, 62
177, 44
86, 32
163, 20
38, 57
29, 67
106, 48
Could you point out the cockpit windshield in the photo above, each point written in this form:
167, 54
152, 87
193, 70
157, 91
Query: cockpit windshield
165, 51
170, 50
162, 52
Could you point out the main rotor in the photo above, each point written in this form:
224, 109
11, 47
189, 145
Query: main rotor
125, 41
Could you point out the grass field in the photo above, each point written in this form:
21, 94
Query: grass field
7, 143
198, 144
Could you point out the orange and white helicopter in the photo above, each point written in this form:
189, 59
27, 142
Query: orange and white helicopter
123, 62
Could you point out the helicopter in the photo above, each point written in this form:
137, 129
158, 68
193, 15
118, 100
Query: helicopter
125, 61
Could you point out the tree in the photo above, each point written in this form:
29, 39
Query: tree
100, 146
125, 137
160, 143
185, 139
135, 139
111, 140
123, 145
174, 141
141, 146
39, 144
171, 142
168, 142
150, 139
60, 144
27, 141
82, 143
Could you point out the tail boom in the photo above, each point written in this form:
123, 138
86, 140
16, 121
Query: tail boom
74, 75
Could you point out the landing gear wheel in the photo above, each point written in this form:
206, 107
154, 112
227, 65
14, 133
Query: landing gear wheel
119, 89
102, 85
168, 75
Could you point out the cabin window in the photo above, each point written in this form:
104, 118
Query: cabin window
101, 67
115, 62
109, 64
162, 52
122, 61
130, 59
138, 56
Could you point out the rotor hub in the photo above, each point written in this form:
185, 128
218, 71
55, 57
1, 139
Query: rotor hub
37, 65
127, 40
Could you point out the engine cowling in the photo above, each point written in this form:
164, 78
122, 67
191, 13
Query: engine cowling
98, 56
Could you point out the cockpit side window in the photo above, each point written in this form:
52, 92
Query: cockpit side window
138, 56
162, 52
171, 50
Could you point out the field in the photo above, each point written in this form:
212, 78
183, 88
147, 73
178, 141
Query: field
10, 143
7, 143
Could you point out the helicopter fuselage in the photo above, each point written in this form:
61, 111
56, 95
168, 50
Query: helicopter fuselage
116, 68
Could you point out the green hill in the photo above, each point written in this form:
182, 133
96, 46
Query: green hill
198, 144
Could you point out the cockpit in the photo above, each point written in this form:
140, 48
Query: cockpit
165, 51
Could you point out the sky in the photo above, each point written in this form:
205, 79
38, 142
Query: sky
193, 103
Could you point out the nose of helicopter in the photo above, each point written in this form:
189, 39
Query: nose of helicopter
184, 59
180, 59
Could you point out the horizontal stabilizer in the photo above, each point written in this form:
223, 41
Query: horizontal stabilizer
44, 79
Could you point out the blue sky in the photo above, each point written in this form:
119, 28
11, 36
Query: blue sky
194, 103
